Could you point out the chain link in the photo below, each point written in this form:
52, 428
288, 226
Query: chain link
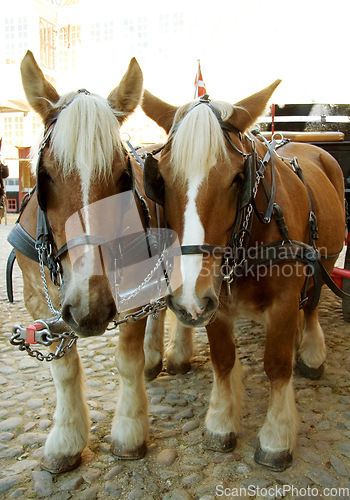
151, 309
230, 270
145, 281
249, 210
40, 249
48, 338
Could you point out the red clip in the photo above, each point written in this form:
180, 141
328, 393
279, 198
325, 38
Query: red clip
31, 332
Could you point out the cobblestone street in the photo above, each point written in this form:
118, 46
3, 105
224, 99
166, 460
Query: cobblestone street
176, 466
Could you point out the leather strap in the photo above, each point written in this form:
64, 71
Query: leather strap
23, 242
9, 268
203, 249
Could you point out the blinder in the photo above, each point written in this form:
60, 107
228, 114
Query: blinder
247, 187
41, 175
127, 179
153, 180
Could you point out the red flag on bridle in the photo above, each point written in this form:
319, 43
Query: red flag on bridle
199, 87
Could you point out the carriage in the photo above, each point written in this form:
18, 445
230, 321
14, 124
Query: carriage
328, 127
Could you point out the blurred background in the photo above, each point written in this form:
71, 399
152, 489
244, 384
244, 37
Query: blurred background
242, 46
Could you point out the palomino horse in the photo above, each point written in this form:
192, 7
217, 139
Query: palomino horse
242, 211
83, 162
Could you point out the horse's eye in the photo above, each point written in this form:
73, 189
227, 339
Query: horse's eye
45, 176
238, 180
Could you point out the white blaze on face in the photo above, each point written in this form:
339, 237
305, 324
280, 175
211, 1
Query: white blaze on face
80, 278
88, 258
191, 265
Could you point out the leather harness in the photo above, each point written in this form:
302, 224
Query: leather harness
43, 248
235, 254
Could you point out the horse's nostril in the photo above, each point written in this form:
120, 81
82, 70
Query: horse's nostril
211, 304
94, 321
68, 316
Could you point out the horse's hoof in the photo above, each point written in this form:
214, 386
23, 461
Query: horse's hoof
275, 461
181, 369
61, 463
152, 373
224, 443
126, 454
309, 372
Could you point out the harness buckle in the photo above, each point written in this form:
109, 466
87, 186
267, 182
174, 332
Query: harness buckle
313, 226
204, 98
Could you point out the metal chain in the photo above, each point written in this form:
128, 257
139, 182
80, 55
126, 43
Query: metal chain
151, 309
50, 338
46, 337
40, 249
145, 281
249, 210
231, 269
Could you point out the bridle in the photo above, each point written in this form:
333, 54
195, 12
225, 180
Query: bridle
44, 251
45, 243
234, 255
254, 169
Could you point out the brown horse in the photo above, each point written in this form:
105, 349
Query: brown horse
230, 196
82, 164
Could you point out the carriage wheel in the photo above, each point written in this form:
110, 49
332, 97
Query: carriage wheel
346, 286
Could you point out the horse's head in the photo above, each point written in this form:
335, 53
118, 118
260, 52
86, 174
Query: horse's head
200, 177
82, 163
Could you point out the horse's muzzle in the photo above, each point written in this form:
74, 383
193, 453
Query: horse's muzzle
188, 317
92, 324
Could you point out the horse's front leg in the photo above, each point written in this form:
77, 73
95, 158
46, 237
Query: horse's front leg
70, 433
154, 345
312, 349
278, 433
225, 406
130, 424
179, 351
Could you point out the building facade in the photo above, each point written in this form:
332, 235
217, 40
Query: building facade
65, 36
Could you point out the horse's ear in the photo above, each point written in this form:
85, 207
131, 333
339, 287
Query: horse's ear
127, 95
158, 110
248, 110
39, 92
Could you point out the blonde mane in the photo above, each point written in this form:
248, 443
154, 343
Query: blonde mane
86, 136
198, 141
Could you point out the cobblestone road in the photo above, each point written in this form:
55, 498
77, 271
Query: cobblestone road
176, 465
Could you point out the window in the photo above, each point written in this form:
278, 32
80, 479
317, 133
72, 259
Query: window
37, 125
47, 44
13, 130
69, 44
102, 32
16, 38
136, 34
11, 181
11, 205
